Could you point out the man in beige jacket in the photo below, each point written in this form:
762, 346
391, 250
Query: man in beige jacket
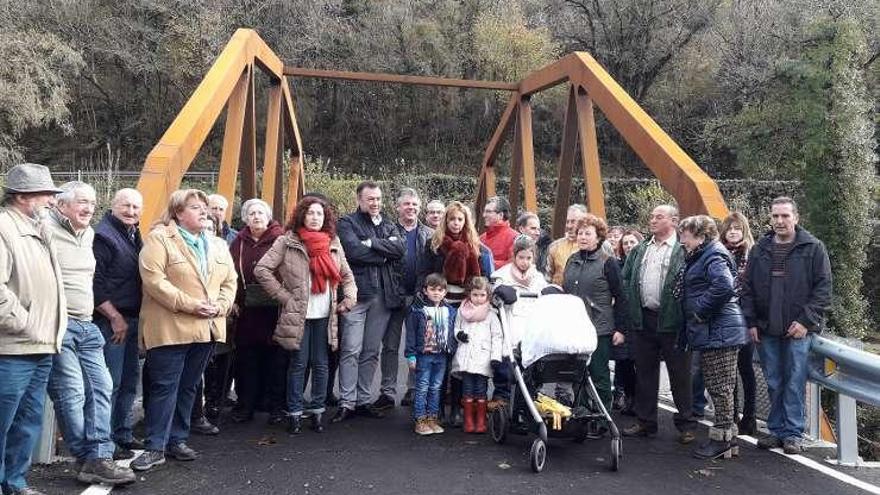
32, 317
79, 384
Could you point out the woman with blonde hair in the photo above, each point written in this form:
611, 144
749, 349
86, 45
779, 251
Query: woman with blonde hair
189, 287
454, 251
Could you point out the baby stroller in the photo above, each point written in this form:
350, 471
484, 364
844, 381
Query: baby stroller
556, 347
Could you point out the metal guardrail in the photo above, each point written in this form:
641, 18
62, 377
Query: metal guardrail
854, 375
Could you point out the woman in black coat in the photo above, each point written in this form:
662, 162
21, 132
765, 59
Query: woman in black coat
714, 325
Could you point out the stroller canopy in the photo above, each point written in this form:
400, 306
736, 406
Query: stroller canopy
557, 324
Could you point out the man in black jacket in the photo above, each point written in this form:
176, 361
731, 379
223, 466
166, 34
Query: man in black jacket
416, 236
786, 292
117, 292
375, 250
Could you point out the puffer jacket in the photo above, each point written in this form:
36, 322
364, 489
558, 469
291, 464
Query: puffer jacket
713, 318
288, 261
483, 346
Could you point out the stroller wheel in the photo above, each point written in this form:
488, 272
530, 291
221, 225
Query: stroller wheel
615, 454
498, 425
538, 455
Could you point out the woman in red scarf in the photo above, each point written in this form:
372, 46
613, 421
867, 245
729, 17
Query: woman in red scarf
303, 271
455, 250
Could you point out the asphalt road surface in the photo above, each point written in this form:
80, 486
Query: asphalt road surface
385, 457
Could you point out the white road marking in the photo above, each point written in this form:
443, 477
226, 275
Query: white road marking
800, 459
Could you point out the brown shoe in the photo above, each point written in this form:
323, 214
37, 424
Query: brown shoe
435, 425
423, 427
686, 437
638, 430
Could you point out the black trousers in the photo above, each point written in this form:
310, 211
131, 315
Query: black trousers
625, 377
747, 374
261, 378
650, 347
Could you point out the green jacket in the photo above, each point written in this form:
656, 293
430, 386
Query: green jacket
671, 317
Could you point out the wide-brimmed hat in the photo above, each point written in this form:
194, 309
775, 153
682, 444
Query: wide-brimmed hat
29, 178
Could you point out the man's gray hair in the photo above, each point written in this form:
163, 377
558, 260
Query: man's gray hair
671, 210
435, 202
69, 190
523, 219
251, 203
219, 198
407, 192
578, 207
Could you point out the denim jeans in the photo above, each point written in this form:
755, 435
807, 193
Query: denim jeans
784, 361
312, 353
122, 361
80, 386
22, 395
174, 372
474, 385
429, 378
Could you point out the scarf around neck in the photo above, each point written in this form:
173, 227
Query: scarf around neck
473, 313
459, 263
321, 265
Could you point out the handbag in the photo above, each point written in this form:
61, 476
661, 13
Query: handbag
255, 296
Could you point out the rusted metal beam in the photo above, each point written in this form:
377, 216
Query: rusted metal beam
566, 165
486, 182
516, 164
273, 152
171, 157
595, 199
526, 150
692, 188
232, 139
296, 177
399, 79
247, 165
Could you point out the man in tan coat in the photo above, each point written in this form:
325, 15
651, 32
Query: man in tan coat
33, 317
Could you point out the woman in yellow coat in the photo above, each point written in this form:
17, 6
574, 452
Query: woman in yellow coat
189, 286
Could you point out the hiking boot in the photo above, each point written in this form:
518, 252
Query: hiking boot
294, 425
435, 426
105, 471
202, 426
383, 403
148, 460
638, 430
686, 437
407, 398
182, 452
769, 442
368, 412
423, 427
121, 453
793, 445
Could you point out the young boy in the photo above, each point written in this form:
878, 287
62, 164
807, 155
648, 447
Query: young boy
429, 340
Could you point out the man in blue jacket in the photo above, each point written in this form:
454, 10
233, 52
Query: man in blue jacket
786, 293
375, 250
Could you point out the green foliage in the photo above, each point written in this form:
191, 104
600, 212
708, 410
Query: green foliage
815, 123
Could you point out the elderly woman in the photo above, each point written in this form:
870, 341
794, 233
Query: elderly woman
260, 363
188, 288
303, 270
594, 276
714, 324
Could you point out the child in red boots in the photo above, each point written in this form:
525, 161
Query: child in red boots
478, 332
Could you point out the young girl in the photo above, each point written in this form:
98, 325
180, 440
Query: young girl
478, 332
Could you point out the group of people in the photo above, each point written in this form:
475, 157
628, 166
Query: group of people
281, 310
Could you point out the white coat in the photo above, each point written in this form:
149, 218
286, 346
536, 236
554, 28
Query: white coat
483, 345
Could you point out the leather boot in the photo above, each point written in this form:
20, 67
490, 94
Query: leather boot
720, 444
480, 416
468, 405
294, 425
318, 422
748, 426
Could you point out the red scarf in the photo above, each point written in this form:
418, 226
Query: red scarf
459, 263
321, 264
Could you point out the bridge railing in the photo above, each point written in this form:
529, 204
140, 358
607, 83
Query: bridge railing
854, 375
